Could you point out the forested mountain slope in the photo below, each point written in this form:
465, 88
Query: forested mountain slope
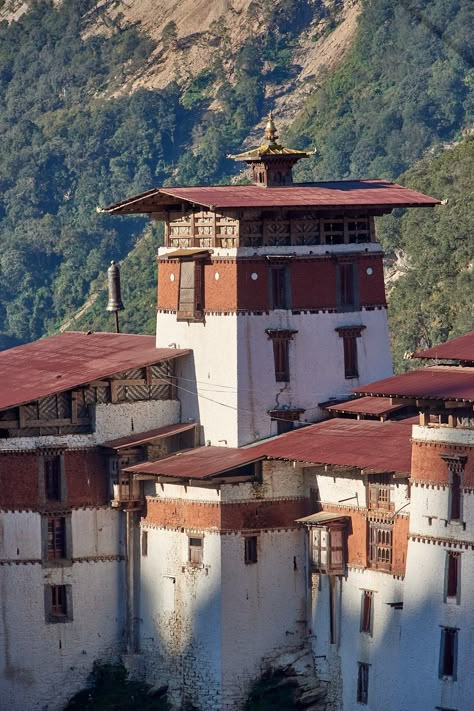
75, 135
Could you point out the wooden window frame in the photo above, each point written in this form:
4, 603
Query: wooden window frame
379, 494
347, 288
195, 551
456, 464
144, 544
448, 653
349, 335
58, 604
52, 477
363, 683
281, 352
376, 547
250, 550
280, 286
328, 548
56, 538
452, 587
192, 308
367, 612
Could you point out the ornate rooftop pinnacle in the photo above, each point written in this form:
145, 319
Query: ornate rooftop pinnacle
271, 161
270, 130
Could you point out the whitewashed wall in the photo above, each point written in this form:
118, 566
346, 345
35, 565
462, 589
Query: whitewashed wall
424, 613
180, 633
263, 607
42, 665
338, 663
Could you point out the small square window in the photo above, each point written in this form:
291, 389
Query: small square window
195, 550
58, 603
251, 554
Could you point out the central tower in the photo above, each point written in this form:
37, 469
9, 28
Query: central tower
277, 288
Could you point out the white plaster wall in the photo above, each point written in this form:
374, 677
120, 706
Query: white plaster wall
333, 487
263, 607
97, 532
433, 502
316, 364
338, 663
423, 615
111, 421
443, 433
20, 536
180, 631
213, 365
42, 665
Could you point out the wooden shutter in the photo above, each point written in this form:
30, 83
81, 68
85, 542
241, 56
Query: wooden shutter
336, 551
186, 304
350, 356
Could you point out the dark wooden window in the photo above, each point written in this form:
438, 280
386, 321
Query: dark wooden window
284, 426
58, 603
455, 496
191, 289
366, 615
280, 287
58, 600
358, 230
52, 478
363, 684
195, 550
452, 574
351, 369
334, 232
448, 652
281, 347
144, 543
57, 538
349, 335
346, 285
380, 545
250, 555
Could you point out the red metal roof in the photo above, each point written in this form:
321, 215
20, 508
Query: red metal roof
346, 193
200, 463
461, 348
70, 359
365, 444
437, 382
366, 406
149, 436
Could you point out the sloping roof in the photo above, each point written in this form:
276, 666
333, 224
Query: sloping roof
270, 150
321, 517
149, 436
437, 382
200, 463
345, 193
366, 406
460, 348
52, 365
365, 444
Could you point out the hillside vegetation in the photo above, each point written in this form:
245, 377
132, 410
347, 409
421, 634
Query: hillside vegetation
72, 139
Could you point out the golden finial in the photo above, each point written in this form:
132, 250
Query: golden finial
270, 130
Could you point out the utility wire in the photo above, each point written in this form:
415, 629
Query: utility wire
224, 404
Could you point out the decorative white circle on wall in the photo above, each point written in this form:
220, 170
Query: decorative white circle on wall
254, 276
217, 276
370, 271
171, 277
